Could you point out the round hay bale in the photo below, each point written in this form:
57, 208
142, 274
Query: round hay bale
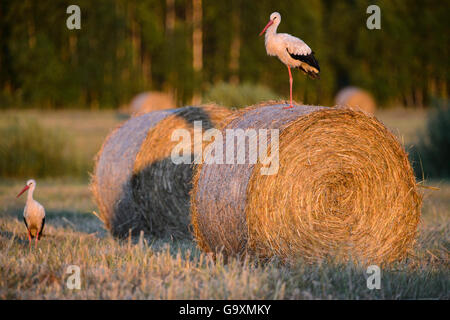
356, 99
344, 190
136, 184
151, 101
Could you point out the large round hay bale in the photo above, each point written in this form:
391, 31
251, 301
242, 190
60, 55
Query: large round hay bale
344, 190
151, 101
136, 184
356, 99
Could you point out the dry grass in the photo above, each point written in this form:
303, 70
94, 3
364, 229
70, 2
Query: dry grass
178, 270
344, 190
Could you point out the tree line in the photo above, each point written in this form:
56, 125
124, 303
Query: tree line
185, 47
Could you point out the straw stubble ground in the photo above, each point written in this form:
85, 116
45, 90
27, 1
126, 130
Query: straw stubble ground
167, 269
178, 270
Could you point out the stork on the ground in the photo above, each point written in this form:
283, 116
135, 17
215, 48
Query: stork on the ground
33, 214
292, 51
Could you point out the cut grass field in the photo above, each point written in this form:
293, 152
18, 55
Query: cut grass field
166, 269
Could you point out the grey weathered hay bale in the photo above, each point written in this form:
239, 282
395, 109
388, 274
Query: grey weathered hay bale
135, 183
345, 189
356, 99
151, 101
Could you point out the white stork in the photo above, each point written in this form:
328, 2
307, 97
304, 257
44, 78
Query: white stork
33, 214
292, 51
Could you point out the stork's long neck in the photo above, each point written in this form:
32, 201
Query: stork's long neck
30, 194
271, 31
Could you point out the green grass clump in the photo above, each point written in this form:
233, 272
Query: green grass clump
433, 149
239, 96
28, 149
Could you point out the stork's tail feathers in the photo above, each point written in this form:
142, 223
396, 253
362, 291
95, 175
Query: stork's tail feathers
42, 229
311, 73
309, 64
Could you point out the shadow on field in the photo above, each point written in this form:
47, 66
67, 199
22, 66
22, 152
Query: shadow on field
18, 238
84, 222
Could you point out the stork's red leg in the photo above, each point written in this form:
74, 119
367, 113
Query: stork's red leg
290, 88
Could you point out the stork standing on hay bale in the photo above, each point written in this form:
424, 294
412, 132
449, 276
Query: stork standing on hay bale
33, 214
292, 51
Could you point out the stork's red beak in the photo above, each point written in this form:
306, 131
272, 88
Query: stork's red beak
23, 190
265, 28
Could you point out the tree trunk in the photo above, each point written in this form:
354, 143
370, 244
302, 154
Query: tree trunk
169, 83
197, 48
147, 70
418, 97
31, 32
235, 48
135, 37
170, 17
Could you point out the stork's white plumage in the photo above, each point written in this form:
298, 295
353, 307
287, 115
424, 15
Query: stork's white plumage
33, 214
292, 51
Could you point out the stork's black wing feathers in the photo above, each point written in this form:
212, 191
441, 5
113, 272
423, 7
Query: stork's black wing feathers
26, 224
308, 59
39, 234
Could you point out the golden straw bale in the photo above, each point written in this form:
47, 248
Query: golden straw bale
356, 99
344, 190
151, 101
135, 182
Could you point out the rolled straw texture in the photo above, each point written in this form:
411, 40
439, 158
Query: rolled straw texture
136, 184
344, 190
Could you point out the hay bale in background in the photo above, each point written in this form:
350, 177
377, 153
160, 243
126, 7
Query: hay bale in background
356, 98
151, 101
345, 189
135, 183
